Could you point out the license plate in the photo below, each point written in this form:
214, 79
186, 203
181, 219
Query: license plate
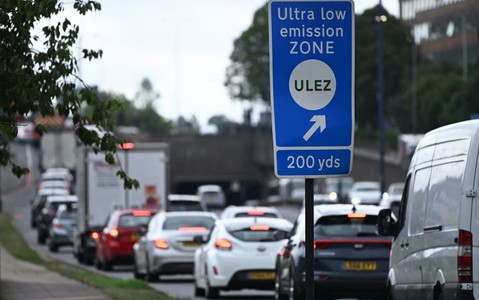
134, 237
261, 275
190, 244
359, 265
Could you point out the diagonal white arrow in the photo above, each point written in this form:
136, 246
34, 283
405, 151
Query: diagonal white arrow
319, 123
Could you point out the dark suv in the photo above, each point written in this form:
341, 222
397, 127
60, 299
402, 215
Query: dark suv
350, 259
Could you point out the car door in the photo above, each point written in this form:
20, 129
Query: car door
405, 274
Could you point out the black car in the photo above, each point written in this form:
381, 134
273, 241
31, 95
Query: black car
350, 259
48, 213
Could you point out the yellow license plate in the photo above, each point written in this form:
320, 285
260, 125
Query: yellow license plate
261, 275
190, 244
134, 237
360, 265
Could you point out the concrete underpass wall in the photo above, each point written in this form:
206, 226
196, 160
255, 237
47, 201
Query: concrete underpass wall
243, 163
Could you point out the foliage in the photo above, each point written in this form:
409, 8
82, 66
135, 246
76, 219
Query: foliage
38, 75
223, 124
247, 77
145, 117
184, 126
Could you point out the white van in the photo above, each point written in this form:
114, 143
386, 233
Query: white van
435, 253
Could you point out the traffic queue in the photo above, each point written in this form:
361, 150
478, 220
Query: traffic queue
185, 237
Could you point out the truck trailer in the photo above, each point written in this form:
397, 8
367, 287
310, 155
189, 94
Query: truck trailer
100, 190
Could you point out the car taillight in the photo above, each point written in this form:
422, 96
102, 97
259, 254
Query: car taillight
58, 225
49, 212
318, 245
192, 229
94, 235
325, 243
255, 212
161, 244
464, 257
223, 244
114, 233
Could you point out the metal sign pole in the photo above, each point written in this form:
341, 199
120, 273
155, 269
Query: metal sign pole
309, 218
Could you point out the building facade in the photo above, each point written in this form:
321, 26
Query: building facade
444, 29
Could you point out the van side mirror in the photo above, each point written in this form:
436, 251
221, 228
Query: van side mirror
387, 224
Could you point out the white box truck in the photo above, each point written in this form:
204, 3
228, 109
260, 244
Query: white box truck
57, 150
100, 190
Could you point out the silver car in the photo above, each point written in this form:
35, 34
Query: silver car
61, 228
168, 245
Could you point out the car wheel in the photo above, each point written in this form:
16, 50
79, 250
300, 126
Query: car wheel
210, 292
41, 237
151, 276
52, 246
294, 289
137, 274
97, 263
199, 292
106, 264
278, 295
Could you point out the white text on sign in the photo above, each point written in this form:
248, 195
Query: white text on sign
310, 162
320, 31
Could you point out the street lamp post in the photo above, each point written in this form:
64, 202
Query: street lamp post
380, 19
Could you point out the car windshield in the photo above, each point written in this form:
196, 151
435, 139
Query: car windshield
184, 206
177, 222
68, 214
346, 226
133, 221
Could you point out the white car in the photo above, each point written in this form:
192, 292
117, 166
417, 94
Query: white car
212, 195
365, 192
239, 254
234, 211
168, 246
392, 198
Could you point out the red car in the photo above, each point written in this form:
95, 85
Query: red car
115, 244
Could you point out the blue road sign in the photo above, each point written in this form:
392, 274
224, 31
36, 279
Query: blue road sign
312, 86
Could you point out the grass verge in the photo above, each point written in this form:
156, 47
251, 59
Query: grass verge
117, 289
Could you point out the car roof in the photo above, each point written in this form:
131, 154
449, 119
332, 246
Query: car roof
366, 183
344, 209
231, 210
247, 221
209, 188
181, 197
123, 211
190, 213
234, 208
62, 198
52, 191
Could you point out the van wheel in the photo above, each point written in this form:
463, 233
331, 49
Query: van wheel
437, 293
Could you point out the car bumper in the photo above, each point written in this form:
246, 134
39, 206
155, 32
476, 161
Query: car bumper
351, 285
172, 263
232, 272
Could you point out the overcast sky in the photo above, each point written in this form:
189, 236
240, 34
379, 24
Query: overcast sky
181, 46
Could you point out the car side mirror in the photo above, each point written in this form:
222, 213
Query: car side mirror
142, 231
387, 224
199, 239
281, 235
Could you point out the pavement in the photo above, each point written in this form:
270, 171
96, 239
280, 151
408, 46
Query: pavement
22, 280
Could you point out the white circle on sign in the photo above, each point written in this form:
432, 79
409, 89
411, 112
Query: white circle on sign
312, 84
